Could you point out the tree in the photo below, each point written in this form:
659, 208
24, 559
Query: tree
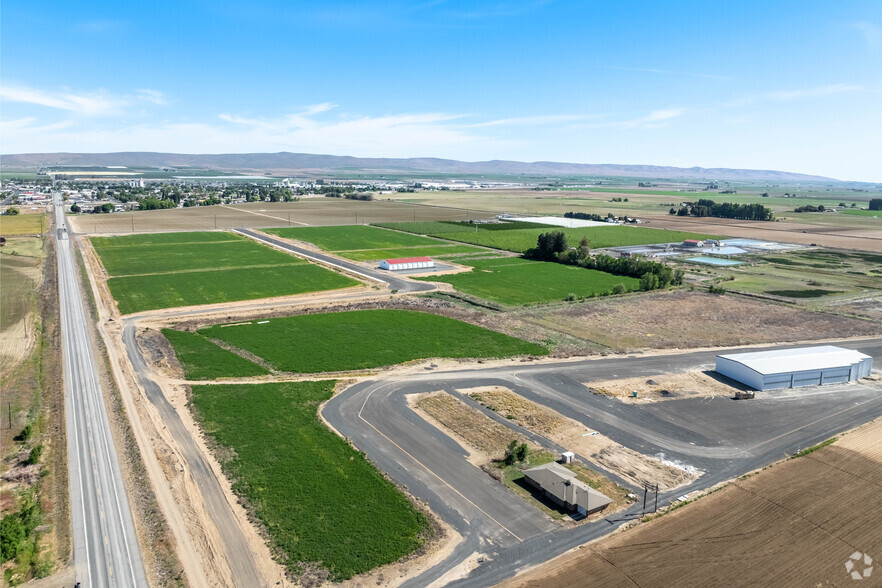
875, 204
511, 452
12, 534
549, 245
618, 288
672, 211
12, 211
648, 281
75, 208
521, 452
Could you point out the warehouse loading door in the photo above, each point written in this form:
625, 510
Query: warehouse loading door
837, 375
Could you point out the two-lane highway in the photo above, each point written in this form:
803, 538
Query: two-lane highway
106, 549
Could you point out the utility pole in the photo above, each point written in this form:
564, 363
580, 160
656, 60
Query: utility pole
215, 221
289, 218
656, 498
133, 222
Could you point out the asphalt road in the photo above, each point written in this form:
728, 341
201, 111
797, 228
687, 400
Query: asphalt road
721, 437
106, 549
394, 282
238, 553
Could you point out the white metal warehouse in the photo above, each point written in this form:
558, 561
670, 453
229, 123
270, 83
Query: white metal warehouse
792, 368
407, 263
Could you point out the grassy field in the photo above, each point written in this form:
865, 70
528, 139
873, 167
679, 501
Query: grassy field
321, 501
521, 239
22, 224
137, 293
183, 269
366, 243
870, 213
518, 281
164, 258
203, 360
372, 254
366, 339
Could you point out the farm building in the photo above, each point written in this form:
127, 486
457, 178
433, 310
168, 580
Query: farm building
792, 368
561, 486
693, 243
406, 263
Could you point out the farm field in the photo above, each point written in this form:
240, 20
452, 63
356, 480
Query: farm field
869, 213
22, 224
365, 339
516, 281
321, 502
684, 320
149, 272
191, 252
203, 360
519, 239
21, 269
796, 523
366, 243
260, 215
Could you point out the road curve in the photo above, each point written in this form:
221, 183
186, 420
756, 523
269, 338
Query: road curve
106, 551
721, 437
394, 282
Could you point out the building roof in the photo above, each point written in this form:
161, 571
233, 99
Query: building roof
798, 360
691, 241
561, 483
407, 260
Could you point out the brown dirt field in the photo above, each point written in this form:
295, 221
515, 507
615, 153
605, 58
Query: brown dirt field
522, 411
663, 387
793, 524
309, 211
489, 438
684, 320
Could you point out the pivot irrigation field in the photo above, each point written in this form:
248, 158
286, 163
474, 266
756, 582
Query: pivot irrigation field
322, 503
354, 340
517, 281
364, 243
520, 236
182, 269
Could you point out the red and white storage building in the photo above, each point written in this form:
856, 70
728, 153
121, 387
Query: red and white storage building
407, 263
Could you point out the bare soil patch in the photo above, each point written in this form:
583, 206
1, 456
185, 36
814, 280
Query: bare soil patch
796, 523
662, 387
683, 319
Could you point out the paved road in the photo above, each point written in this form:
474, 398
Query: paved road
106, 549
722, 437
394, 282
238, 553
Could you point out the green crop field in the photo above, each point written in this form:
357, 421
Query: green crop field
372, 254
154, 259
518, 281
183, 269
366, 339
137, 293
321, 502
521, 239
203, 360
869, 213
350, 238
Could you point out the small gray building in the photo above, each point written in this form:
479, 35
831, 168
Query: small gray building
561, 486
793, 368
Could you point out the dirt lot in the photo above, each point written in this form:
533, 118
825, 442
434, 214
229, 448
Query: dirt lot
796, 523
683, 319
634, 467
309, 211
663, 387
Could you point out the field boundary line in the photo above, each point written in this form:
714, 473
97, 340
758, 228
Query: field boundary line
421, 464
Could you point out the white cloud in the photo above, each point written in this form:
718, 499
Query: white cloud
547, 119
808, 92
654, 119
872, 32
85, 104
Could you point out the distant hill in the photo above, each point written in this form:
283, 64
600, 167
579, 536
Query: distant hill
289, 163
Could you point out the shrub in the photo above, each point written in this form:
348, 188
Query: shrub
34, 455
25, 434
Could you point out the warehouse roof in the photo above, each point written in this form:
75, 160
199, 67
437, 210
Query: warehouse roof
408, 260
797, 360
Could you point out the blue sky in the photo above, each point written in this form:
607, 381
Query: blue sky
789, 85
